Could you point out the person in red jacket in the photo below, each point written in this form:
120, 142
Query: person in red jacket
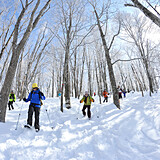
105, 94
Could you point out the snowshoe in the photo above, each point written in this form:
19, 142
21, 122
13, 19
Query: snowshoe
28, 126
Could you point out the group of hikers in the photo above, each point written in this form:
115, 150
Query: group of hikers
36, 96
120, 91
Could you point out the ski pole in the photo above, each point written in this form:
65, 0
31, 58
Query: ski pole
16, 104
19, 117
79, 107
97, 111
49, 118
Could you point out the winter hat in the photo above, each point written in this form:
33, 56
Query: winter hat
86, 92
34, 85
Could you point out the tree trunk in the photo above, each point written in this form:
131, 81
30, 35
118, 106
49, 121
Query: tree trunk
137, 80
81, 75
98, 84
110, 67
53, 82
105, 77
67, 73
74, 75
62, 98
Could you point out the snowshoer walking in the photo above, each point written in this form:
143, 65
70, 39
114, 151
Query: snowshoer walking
105, 94
12, 98
124, 93
120, 93
87, 99
35, 97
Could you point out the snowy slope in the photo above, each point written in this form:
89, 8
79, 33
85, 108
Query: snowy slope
132, 133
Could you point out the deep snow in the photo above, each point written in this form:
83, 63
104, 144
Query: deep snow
132, 133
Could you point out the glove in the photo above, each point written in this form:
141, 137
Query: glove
42, 94
13, 100
93, 100
24, 99
80, 101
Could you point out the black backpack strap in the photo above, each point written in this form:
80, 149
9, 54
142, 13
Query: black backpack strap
39, 94
31, 94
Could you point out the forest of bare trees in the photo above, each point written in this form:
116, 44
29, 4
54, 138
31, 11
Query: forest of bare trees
70, 46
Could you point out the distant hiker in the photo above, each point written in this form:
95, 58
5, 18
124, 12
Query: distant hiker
35, 97
94, 94
87, 99
59, 94
12, 98
105, 94
120, 92
124, 93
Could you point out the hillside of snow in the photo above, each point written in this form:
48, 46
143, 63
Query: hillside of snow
132, 133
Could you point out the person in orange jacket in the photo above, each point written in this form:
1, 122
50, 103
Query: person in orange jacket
105, 94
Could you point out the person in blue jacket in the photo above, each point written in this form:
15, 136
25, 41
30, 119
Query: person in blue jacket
35, 97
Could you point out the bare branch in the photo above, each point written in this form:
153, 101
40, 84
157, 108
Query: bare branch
153, 8
119, 28
1, 12
22, 3
41, 14
83, 39
29, 2
129, 5
125, 60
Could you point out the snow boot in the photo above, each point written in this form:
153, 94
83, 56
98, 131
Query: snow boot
28, 126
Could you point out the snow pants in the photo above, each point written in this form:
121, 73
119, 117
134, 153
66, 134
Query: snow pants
105, 99
120, 95
88, 110
10, 105
36, 110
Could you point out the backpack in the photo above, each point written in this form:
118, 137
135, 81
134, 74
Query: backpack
39, 93
89, 98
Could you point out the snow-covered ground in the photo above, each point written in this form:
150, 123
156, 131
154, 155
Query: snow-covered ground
132, 133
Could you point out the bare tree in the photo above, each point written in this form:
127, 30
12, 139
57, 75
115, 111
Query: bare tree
89, 66
138, 34
98, 79
107, 49
6, 32
154, 16
137, 79
82, 70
